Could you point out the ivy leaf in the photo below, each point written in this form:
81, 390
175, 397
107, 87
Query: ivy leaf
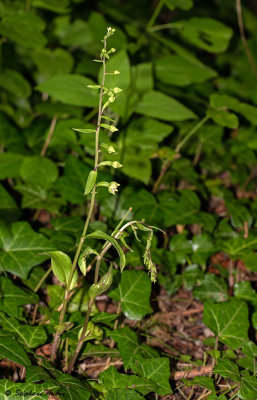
40, 389
102, 235
228, 321
13, 351
134, 294
158, 105
73, 388
224, 118
156, 369
128, 344
213, 288
20, 246
123, 394
70, 89
8, 206
249, 362
15, 83
120, 62
248, 388
31, 336
12, 296
58, 6
243, 290
183, 4
227, 369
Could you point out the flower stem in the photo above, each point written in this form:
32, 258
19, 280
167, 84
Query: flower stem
90, 212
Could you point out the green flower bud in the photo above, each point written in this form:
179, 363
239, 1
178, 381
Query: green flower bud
117, 90
116, 72
111, 99
116, 164
103, 285
112, 128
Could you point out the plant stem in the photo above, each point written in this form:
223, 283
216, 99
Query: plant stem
155, 14
36, 289
91, 302
90, 212
49, 136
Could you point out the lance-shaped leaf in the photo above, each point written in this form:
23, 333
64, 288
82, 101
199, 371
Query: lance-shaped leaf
13, 351
105, 282
228, 321
91, 180
82, 259
102, 235
61, 266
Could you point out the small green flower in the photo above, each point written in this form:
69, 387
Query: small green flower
113, 187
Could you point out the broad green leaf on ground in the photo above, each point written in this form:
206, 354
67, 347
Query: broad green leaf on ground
52, 62
202, 381
158, 105
128, 344
34, 196
31, 336
13, 296
228, 321
19, 248
241, 248
123, 394
206, 33
112, 379
203, 248
212, 288
70, 225
156, 369
102, 235
183, 4
249, 361
71, 185
8, 206
134, 294
58, 6
24, 29
70, 89
227, 369
104, 318
10, 164
175, 70
39, 170
99, 350
13, 351
142, 77
72, 388
13, 82
74, 33
243, 290
21, 390
248, 388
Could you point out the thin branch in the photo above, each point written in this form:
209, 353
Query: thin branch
49, 136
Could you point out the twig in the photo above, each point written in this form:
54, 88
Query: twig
178, 375
243, 38
49, 136
155, 14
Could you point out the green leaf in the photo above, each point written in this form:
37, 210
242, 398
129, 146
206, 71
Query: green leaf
183, 4
21, 389
15, 83
228, 321
8, 206
84, 130
91, 180
70, 89
62, 266
72, 184
123, 394
13, 351
24, 29
134, 294
156, 369
52, 62
249, 362
203, 381
120, 62
58, 6
13, 296
243, 290
213, 288
39, 170
232, 103
224, 118
20, 246
10, 164
205, 33
175, 70
158, 105
248, 388
31, 336
128, 344
100, 350
73, 388
227, 369
105, 282
82, 259
102, 235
